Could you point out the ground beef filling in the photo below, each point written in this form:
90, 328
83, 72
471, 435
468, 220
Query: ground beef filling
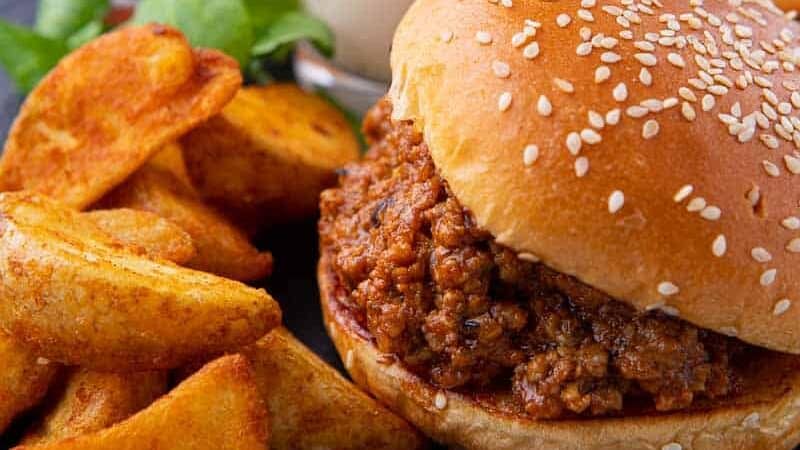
465, 312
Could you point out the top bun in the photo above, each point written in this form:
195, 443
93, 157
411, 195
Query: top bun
646, 147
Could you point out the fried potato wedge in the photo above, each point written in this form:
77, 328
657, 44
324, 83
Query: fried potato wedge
90, 401
221, 247
311, 406
269, 154
108, 107
79, 297
24, 379
157, 237
217, 408
170, 159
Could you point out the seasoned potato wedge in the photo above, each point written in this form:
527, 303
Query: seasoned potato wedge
269, 154
108, 107
217, 408
311, 406
170, 159
90, 401
24, 379
77, 296
157, 237
221, 248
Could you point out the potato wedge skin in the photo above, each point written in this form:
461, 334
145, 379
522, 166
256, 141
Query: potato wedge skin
312, 406
107, 107
24, 379
157, 237
91, 401
217, 408
222, 248
270, 152
77, 296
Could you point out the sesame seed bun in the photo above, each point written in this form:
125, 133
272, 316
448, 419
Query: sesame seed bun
656, 163
767, 416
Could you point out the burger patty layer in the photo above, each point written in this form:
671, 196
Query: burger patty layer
467, 313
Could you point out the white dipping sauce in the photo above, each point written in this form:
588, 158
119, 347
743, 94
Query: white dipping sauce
363, 30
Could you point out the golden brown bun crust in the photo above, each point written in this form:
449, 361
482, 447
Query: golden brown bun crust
463, 422
444, 80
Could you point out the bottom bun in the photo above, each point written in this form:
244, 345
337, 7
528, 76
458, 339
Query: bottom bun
765, 416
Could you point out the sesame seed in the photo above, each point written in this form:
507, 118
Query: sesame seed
645, 77
792, 163
531, 51
530, 154
781, 307
590, 136
440, 401
581, 166
676, 60
719, 246
646, 59
446, 36
718, 89
672, 446
543, 106
729, 331
683, 193
644, 46
791, 223
585, 15
770, 96
501, 69
483, 37
608, 42
585, 33
650, 129
768, 277
596, 120
583, 49
620, 92
518, 39
613, 116
562, 20
771, 169
743, 31
601, 74
696, 204
687, 94
793, 246
564, 85
667, 288
574, 143
687, 111
652, 104
530, 257
670, 310
711, 213
615, 201
504, 101
784, 108
636, 111
42, 361
610, 57
760, 254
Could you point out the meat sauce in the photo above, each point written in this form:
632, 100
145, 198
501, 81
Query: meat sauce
467, 313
